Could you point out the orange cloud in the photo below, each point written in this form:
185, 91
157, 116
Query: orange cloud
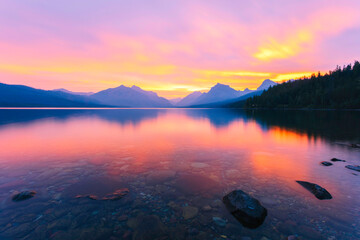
277, 50
304, 35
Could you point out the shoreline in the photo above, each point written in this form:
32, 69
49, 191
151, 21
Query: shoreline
302, 109
109, 108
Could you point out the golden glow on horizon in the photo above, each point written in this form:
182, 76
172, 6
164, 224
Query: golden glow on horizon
238, 80
289, 76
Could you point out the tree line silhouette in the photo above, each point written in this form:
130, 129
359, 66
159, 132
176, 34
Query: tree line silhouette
338, 89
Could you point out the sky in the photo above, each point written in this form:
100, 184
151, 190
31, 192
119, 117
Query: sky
173, 47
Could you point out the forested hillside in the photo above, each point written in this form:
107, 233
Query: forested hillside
338, 89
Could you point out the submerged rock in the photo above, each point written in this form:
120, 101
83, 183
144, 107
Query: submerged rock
353, 167
245, 208
219, 221
337, 160
189, 212
118, 194
92, 197
324, 163
23, 196
319, 192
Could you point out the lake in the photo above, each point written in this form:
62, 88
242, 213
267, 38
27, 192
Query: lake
173, 167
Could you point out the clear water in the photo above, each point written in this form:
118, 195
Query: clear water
177, 165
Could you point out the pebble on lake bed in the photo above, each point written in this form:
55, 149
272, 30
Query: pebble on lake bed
189, 212
23, 195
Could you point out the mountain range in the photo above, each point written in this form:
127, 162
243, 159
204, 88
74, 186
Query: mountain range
122, 96
222, 93
131, 97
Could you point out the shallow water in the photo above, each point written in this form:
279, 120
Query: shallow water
177, 165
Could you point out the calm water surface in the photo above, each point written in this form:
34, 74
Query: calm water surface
177, 165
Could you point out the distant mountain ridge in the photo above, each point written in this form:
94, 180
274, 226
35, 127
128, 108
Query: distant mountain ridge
266, 84
122, 96
74, 93
130, 97
189, 99
221, 93
217, 93
23, 96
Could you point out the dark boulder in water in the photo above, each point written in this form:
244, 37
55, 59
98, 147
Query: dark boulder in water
319, 192
245, 208
337, 160
355, 145
324, 163
353, 167
23, 196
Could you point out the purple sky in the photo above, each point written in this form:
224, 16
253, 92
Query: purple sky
173, 47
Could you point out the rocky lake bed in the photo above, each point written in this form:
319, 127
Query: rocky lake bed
162, 204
